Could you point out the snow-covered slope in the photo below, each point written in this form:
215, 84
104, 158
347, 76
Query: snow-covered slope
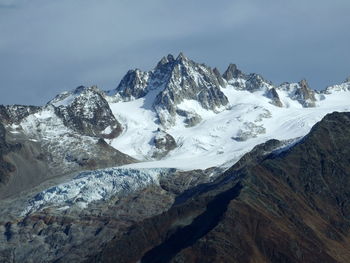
220, 138
256, 112
181, 114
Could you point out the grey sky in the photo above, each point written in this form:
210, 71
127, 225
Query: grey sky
48, 46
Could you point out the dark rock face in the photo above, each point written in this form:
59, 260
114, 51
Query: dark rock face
300, 92
256, 82
232, 72
133, 84
305, 95
175, 80
5, 167
275, 99
16, 113
287, 206
164, 143
88, 113
199, 227
191, 81
219, 77
4, 117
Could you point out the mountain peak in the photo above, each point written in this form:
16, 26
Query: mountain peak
232, 72
79, 89
175, 81
165, 60
181, 57
304, 84
170, 58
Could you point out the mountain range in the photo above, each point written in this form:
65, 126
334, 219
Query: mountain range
180, 163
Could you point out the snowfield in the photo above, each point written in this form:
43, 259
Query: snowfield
220, 139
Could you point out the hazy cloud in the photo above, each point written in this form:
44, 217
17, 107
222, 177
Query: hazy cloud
50, 46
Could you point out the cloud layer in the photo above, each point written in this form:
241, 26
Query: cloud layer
50, 46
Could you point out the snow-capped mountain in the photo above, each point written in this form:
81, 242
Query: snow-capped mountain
172, 82
86, 111
62, 137
171, 129
245, 110
181, 114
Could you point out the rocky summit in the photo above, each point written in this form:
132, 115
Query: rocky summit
172, 82
179, 163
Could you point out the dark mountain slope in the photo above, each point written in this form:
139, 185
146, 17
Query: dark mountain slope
5, 167
291, 205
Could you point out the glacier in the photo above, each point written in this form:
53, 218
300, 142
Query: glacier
96, 185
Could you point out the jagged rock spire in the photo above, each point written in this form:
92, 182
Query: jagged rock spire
219, 77
175, 80
168, 59
306, 94
181, 56
275, 99
232, 72
303, 84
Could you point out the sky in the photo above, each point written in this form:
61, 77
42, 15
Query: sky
50, 46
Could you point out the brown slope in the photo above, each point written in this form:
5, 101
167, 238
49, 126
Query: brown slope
292, 207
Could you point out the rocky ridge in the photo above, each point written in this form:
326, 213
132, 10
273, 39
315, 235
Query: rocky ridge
46, 141
173, 81
86, 111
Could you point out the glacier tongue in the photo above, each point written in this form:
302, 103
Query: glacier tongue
90, 186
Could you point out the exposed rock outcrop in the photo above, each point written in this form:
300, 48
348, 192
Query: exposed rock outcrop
163, 143
300, 92
256, 82
174, 81
86, 111
232, 72
5, 167
16, 113
39, 143
305, 95
133, 85
275, 99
